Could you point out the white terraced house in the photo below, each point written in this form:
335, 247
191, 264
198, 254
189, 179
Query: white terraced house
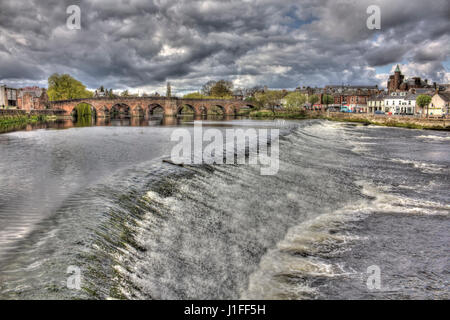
375, 103
396, 103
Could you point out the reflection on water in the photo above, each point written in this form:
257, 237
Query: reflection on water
159, 120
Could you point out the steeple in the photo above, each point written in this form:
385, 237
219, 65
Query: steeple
398, 69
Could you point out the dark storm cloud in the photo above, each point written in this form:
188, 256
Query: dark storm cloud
139, 43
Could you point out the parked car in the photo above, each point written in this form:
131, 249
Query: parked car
379, 112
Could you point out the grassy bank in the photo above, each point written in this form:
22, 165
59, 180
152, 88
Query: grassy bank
390, 123
278, 115
366, 120
7, 120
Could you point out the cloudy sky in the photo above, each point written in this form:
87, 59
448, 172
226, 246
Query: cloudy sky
141, 44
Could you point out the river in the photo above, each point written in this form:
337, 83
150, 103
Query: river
347, 198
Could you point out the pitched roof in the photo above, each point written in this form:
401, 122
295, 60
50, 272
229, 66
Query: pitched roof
412, 96
445, 96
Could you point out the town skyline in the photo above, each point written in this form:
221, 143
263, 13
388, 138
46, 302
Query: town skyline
181, 91
139, 47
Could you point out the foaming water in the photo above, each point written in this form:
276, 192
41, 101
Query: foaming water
346, 197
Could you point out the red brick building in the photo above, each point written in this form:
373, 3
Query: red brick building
32, 98
398, 83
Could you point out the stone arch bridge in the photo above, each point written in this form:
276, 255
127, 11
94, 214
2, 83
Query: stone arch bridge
146, 106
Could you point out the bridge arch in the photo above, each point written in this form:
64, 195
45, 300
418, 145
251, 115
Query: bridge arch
83, 110
216, 109
186, 109
120, 110
245, 108
155, 109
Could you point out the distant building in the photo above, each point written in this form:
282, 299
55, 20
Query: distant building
102, 93
352, 98
8, 96
28, 98
238, 94
397, 82
375, 103
444, 87
402, 103
32, 98
439, 105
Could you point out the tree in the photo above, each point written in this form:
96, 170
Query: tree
252, 91
222, 88
295, 100
270, 99
64, 87
313, 99
206, 89
423, 100
327, 99
254, 102
125, 93
218, 89
194, 95
169, 90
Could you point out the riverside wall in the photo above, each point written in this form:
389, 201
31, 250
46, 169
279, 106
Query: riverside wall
392, 121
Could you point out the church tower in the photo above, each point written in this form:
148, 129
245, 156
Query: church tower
395, 80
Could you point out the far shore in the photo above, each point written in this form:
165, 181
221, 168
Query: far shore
409, 122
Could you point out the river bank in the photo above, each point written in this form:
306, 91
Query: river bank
10, 117
379, 120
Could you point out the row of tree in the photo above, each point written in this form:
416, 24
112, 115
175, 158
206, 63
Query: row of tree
65, 87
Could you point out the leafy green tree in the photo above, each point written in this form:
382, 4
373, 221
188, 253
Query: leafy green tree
269, 99
64, 87
423, 100
194, 95
313, 99
206, 88
125, 93
222, 88
327, 99
295, 100
254, 102
83, 110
